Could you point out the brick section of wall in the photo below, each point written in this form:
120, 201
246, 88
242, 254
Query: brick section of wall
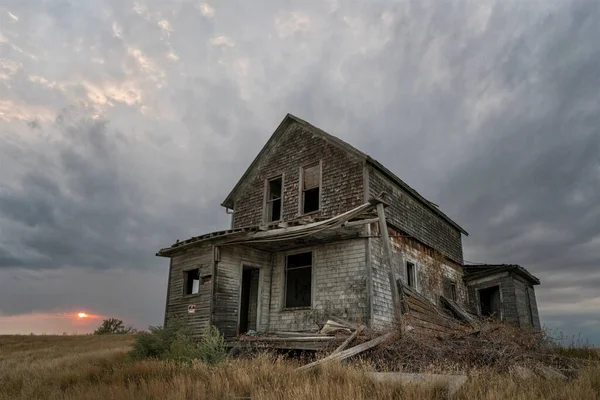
339, 286
177, 302
429, 274
412, 217
228, 291
342, 180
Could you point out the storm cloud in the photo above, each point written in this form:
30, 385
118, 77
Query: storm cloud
124, 124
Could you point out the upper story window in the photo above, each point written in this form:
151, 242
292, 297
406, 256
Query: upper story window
274, 196
311, 188
191, 281
411, 275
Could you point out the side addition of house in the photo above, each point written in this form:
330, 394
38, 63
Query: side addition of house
321, 229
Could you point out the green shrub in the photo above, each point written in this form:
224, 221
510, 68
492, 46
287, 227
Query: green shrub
176, 343
113, 326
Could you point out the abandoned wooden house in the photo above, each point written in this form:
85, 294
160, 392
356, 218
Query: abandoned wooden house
320, 229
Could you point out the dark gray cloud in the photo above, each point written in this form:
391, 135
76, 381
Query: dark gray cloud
124, 124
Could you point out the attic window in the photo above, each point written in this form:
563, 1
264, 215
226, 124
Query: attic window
311, 188
191, 281
274, 203
410, 275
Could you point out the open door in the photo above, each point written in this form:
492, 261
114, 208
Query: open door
249, 299
490, 302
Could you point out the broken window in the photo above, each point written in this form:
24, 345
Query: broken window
311, 188
489, 302
191, 281
298, 280
411, 275
274, 203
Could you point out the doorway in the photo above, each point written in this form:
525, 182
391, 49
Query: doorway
249, 299
490, 302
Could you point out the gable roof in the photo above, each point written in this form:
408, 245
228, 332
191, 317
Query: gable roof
291, 119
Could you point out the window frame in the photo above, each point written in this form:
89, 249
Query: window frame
301, 190
406, 274
284, 306
453, 291
186, 274
267, 202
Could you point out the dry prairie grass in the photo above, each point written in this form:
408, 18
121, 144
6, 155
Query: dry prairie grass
96, 367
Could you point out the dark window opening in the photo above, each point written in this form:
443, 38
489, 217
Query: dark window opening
453, 291
410, 275
489, 301
191, 284
298, 280
311, 188
274, 190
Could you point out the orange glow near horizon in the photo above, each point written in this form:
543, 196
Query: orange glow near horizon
82, 315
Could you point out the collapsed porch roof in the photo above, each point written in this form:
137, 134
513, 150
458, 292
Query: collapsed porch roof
275, 237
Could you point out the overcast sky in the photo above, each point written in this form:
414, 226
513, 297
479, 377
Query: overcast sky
124, 124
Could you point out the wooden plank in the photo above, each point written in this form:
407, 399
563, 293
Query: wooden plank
350, 352
343, 322
463, 314
295, 339
347, 341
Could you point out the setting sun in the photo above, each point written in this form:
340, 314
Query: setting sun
82, 315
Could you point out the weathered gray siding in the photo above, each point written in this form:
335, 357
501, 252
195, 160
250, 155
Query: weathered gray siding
508, 296
413, 218
177, 302
228, 286
522, 303
431, 270
342, 178
534, 309
339, 286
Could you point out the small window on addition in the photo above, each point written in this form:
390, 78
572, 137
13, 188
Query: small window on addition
411, 275
311, 188
453, 291
298, 280
191, 281
274, 190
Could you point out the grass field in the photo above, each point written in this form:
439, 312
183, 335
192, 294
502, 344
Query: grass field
96, 367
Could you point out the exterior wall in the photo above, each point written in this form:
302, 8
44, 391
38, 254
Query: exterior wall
228, 287
177, 302
534, 309
519, 306
522, 303
338, 287
431, 269
412, 217
507, 291
342, 178
526, 304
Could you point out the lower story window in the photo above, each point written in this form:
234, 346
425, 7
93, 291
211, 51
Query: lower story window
298, 280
